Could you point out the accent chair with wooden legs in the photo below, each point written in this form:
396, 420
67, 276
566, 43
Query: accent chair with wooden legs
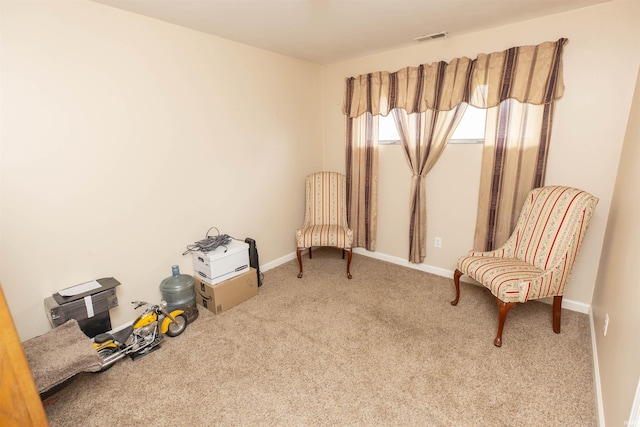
537, 259
325, 218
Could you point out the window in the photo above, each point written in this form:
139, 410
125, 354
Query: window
387, 131
470, 130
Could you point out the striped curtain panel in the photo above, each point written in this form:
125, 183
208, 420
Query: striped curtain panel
362, 179
514, 160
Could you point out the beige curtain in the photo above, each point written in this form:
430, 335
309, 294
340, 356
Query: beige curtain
513, 163
424, 136
526, 74
362, 179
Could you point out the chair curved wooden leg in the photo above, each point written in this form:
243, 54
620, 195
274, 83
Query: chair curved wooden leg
456, 282
310, 256
557, 311
503, 310
299, 255
349, 254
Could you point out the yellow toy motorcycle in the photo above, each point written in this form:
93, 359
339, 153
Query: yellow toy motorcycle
142, 336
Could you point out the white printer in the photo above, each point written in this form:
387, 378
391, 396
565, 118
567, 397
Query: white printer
222, 263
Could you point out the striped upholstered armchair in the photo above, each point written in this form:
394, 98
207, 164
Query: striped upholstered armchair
325, 216
536, 260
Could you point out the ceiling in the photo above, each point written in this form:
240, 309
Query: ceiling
327, 31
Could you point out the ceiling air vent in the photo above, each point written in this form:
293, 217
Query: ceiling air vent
440, 35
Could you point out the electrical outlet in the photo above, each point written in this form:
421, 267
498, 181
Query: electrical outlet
437, 242
606, 323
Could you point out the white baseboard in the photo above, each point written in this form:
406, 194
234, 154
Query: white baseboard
634, 417
277, 262
572, 305
596, 372
403, 262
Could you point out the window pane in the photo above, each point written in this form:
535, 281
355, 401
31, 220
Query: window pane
472, 124
387, 130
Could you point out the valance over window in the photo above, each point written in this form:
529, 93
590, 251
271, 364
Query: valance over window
528, 74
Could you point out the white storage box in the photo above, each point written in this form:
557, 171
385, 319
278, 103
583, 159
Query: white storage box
223, 263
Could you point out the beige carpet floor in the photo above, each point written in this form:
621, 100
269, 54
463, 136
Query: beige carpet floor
385, 348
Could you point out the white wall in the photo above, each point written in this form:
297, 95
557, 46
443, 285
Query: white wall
600, 65
125, 138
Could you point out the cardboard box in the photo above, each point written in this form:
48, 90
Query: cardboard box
222, 263
221, 296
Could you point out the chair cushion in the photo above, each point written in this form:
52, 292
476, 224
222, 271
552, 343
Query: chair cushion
324, 235
509, 279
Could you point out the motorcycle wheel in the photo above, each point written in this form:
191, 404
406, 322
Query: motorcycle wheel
177, 327
104, 353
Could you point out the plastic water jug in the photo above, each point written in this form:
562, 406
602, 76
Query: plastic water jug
177, 290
